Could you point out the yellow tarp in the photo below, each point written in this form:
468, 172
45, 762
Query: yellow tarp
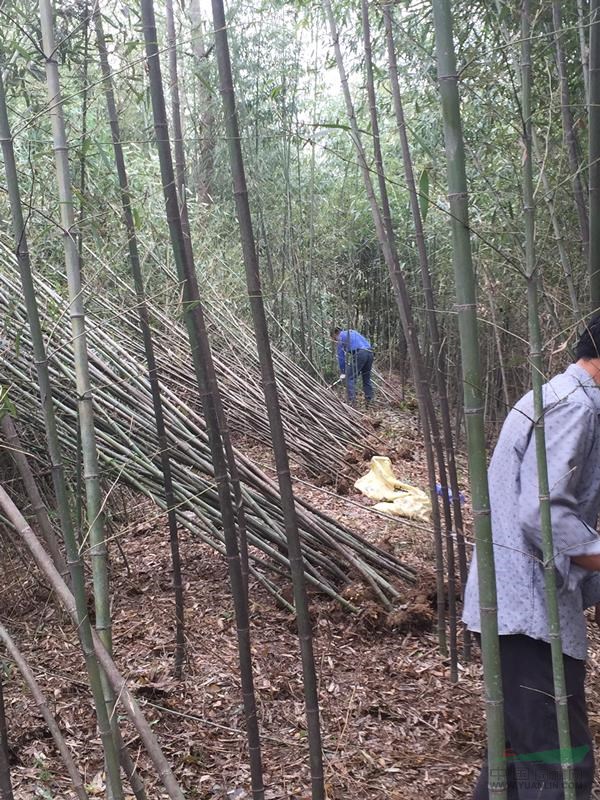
395, 498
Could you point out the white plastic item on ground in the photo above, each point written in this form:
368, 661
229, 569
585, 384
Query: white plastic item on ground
395, 497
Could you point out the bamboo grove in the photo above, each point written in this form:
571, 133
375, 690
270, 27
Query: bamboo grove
192, 196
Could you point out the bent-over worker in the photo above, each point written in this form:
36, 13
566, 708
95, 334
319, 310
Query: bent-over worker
355, 357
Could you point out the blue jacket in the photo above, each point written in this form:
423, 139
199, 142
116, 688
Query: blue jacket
348, 341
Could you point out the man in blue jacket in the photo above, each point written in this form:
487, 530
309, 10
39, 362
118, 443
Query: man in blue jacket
355, 357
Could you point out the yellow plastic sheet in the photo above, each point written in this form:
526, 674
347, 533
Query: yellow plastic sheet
394, 497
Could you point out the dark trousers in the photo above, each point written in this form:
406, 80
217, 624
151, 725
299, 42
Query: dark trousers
531, 728
359, 363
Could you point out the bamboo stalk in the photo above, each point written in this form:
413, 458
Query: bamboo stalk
561, 698
594, 155
181, 183
58, 476
95, 518
49, 719
569, 135
82, 190
438, 365
209, 392
558, 232
144, 324
253, 282
582, 26
471, 377
387, 245
177, 138
6, 792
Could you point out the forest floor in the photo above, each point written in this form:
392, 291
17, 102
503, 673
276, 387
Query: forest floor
394, 726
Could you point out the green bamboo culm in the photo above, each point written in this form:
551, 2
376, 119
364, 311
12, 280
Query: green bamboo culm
97, 540
208, 388
58, 477
535, 356
253, 282
146, 331
594, 155
570, 143
437, 346
181, 183
473, 400
95, 517
387, 243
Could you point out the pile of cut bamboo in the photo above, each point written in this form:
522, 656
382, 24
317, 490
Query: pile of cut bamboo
128, 447
320, 428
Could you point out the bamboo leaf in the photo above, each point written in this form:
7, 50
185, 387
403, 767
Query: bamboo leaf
424, 193
6, 404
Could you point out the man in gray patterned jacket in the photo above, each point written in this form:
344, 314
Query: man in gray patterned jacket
572, 422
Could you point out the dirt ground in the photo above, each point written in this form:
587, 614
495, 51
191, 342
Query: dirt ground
394, 726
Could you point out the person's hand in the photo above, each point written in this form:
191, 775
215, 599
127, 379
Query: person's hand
597, 614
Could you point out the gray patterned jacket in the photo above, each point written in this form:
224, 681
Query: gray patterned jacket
571, 415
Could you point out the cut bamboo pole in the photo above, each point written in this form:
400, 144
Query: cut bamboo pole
44, 708
473, 405
124, 420
561, 698
322, 426
118, 683
37, 504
